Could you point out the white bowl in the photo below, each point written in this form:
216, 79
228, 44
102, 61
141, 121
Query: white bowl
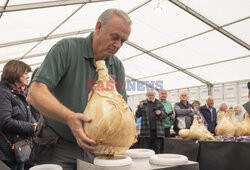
139, 153
168, 159
46, 167
118, 160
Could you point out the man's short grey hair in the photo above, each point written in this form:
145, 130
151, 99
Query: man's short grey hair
109, 13
209, 97
183, 92
149, 91
162, 90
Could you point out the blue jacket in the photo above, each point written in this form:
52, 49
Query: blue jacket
207, 115
16, 120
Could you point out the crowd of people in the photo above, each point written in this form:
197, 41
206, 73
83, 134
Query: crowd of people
153, 120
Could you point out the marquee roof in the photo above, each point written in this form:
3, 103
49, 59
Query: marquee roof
184, 43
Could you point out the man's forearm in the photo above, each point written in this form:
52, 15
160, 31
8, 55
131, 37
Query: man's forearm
41, 98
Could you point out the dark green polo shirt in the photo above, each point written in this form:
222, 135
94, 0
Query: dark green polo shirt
69, 72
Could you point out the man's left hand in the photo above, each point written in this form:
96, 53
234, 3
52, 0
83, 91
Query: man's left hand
171, 116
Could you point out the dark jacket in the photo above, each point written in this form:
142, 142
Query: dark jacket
207, 115
35, 113
145, 124
185, 111
16, 120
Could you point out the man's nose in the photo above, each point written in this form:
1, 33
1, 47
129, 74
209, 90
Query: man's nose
118, 43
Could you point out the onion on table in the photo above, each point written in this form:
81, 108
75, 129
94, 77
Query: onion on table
228, 126
246, 125
197, 131
113, 125
224, 127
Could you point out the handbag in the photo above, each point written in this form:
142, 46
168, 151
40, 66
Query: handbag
21, 149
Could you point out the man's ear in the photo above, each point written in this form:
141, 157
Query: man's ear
98, 26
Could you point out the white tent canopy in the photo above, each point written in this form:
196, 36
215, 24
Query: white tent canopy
187, 43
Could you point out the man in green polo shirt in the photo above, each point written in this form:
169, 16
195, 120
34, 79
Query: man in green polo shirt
169, 110
61, 86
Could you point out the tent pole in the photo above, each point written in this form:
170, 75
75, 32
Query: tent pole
209, 89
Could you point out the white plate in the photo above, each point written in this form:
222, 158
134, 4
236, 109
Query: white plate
46, 167
168, 159
118, 160
139, 153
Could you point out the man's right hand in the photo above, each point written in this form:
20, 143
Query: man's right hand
75, 123
192, 110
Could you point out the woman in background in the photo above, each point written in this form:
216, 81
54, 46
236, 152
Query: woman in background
223, 107
16, 120
197, 105
238, 113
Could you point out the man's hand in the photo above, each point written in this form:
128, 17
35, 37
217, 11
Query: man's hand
171, 116
192, 110
75, 123
158, 112
141, 104
35, 126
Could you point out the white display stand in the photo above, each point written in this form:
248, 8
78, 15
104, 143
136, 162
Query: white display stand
82, 165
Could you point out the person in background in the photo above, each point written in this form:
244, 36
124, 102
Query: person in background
35, 113
36, 116
238, 113
184, 113
248, 86
138, 127
247, 104
16, 120
223, 107
209, 113
197, 105
62, 84
152, 131
32, 76
168, 109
